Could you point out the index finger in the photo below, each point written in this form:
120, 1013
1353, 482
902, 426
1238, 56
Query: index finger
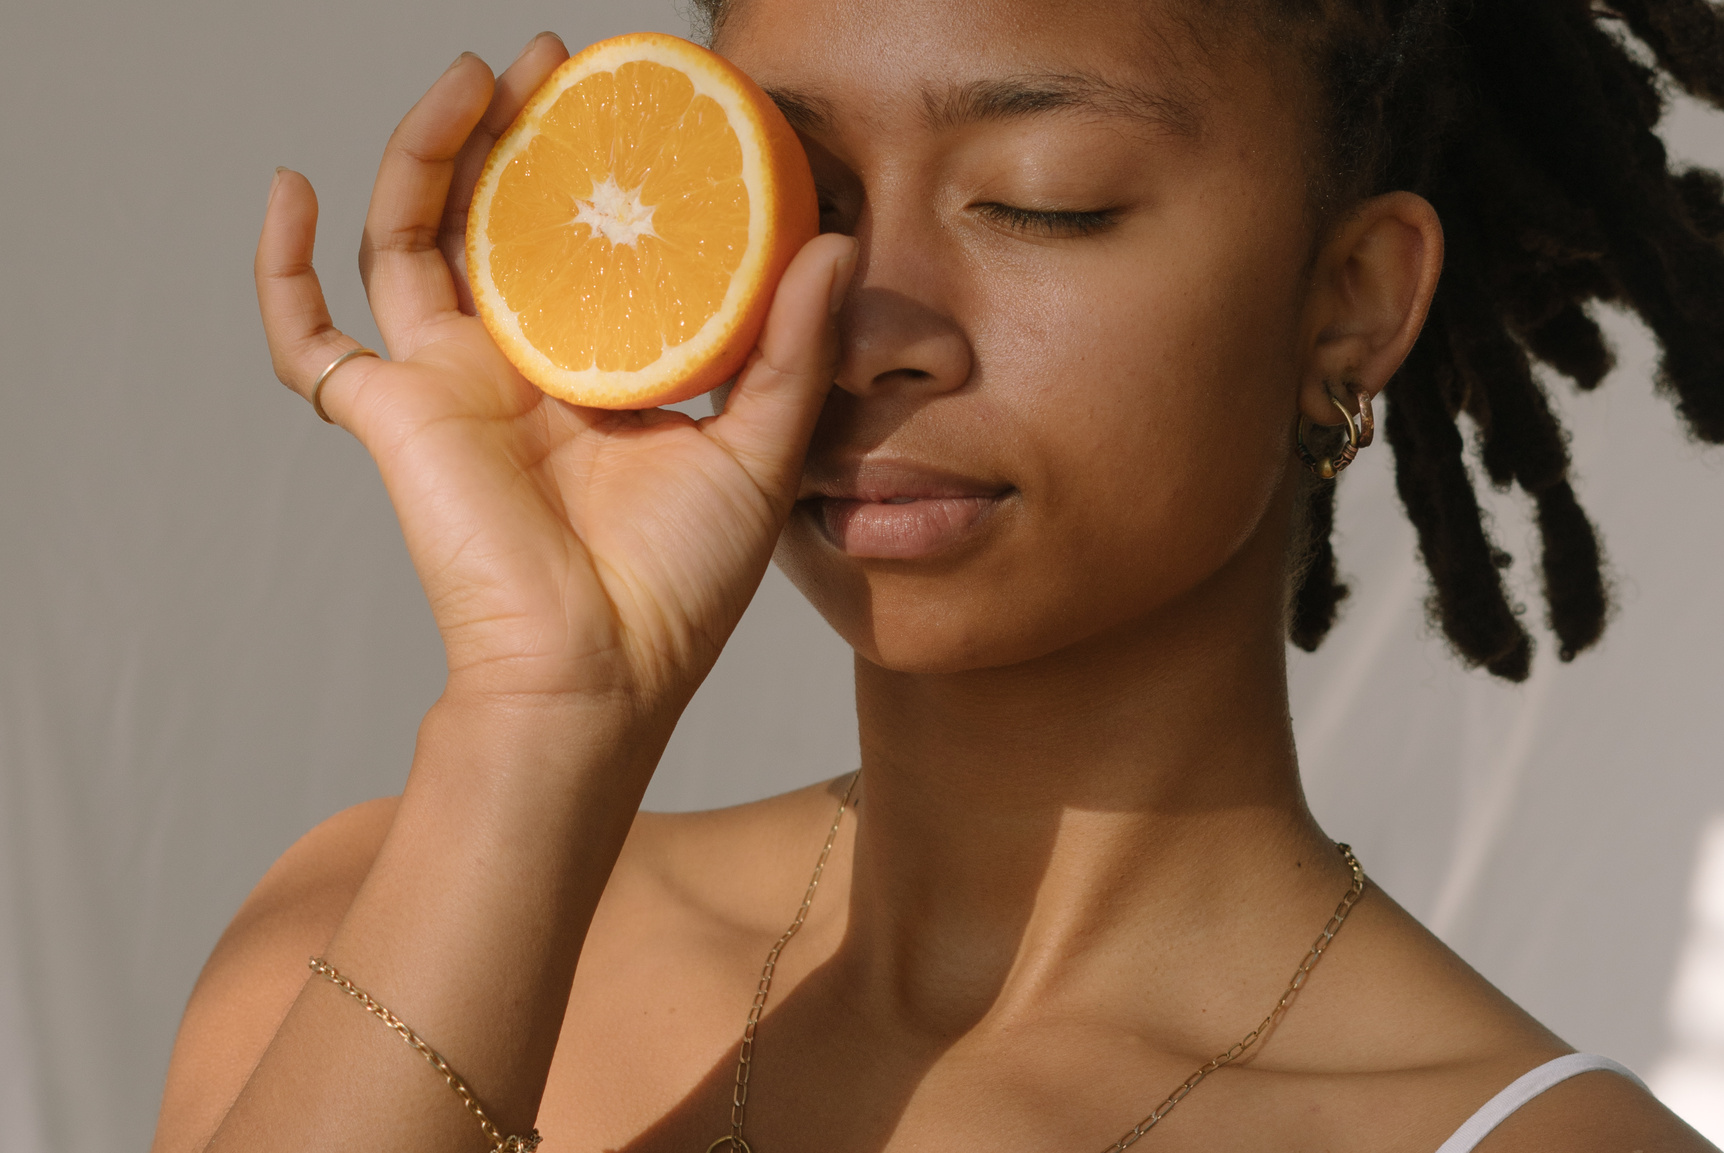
518, 82
407, 280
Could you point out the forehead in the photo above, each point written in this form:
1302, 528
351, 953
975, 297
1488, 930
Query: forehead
944, 61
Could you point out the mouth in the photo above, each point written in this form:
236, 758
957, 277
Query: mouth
884, 509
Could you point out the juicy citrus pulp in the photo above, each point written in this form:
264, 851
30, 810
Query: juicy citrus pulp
629, 228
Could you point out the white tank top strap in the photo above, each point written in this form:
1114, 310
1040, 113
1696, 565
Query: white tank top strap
1524, 1089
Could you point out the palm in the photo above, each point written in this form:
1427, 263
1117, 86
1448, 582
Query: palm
563, 549
562, 540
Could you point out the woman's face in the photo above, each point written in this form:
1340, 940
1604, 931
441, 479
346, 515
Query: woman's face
1071, 351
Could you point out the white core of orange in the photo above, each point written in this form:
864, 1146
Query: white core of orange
615, 214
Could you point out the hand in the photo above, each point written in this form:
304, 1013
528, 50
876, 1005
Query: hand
565, 551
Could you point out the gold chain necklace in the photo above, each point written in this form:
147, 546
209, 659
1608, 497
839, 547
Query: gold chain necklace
745, 1057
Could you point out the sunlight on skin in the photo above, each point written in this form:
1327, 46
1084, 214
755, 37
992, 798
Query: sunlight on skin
1061, 556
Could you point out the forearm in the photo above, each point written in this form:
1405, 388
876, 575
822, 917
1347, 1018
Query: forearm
467, 927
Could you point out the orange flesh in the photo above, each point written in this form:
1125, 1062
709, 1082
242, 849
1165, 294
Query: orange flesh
632, 185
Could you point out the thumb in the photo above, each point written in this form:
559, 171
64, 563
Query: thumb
770, 412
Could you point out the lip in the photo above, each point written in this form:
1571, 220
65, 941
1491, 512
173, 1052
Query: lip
885, 508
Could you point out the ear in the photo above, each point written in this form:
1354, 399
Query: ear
1372, 288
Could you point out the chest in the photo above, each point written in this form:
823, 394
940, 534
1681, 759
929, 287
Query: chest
652, 1067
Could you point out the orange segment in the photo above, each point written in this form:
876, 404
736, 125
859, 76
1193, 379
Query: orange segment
628, 230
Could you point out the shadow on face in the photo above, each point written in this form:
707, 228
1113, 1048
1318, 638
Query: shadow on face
1071, 353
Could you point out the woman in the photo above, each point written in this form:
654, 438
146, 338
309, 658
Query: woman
1026, 426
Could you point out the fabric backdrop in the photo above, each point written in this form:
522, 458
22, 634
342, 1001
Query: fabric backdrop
210, 637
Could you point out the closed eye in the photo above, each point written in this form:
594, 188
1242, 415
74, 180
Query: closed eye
1046, 222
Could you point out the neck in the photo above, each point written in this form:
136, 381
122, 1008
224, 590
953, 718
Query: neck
1020, 826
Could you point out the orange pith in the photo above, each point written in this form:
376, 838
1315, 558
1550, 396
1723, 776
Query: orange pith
629, 229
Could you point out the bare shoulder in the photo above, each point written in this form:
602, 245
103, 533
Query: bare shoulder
718, 865
674, 954
1437, 1041
682, 879
258, 966
694, 889
1598, 1112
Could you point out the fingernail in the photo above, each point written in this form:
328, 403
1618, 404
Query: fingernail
538, 38
456, 62
274, 183
842, 270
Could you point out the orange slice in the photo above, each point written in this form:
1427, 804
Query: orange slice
628, 230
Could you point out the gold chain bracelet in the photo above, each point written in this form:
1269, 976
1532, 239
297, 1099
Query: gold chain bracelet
499, 1143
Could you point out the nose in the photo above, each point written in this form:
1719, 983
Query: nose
893, 340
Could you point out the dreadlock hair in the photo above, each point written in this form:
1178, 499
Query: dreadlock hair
1530, 126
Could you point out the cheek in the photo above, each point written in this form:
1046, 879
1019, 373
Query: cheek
1157, 406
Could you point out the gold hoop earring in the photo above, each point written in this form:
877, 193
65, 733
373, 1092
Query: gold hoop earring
1360, 432
1367, 418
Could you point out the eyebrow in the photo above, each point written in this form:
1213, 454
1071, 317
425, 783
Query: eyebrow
805, 111
1020, 97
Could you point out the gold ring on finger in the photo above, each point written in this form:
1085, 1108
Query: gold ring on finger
323, 377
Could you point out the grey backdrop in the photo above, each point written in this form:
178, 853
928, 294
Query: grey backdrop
210, 637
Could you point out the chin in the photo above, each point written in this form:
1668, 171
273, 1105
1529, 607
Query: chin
913, 617
960, 614
917, 637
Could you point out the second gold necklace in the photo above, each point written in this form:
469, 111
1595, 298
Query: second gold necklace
745, 1057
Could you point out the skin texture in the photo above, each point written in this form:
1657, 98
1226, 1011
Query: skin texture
1081, 863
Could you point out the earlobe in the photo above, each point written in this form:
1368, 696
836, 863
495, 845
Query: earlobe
1376, 278
1361, 424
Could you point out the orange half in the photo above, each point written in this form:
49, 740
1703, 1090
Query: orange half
629, 229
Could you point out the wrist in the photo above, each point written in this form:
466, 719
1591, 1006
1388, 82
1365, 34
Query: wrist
603, 688
534, 706
540, 745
